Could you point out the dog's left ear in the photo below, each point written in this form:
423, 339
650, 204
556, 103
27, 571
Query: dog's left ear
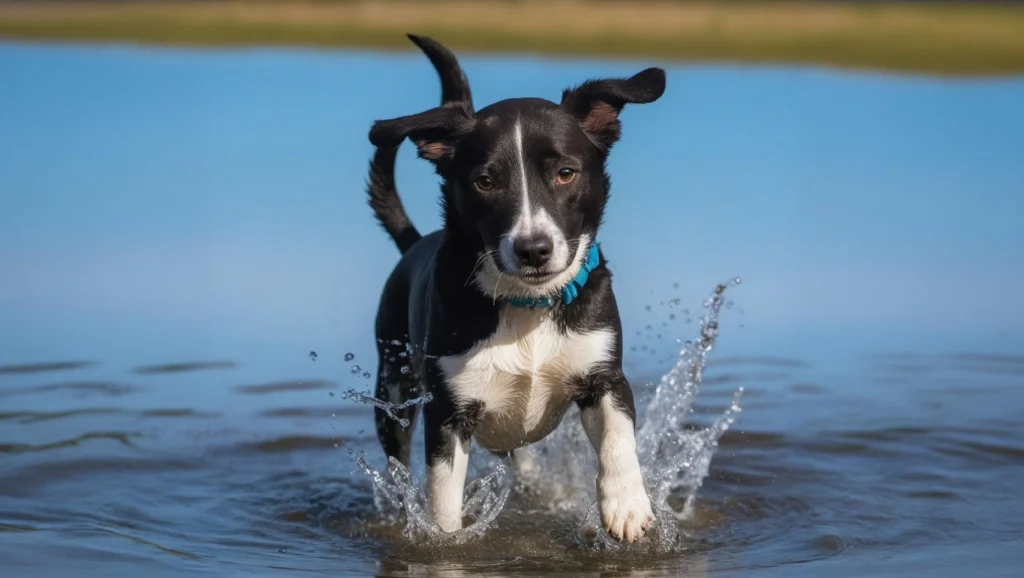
435, 131
597, 103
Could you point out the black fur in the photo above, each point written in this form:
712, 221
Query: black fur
384, 200
387, 206
430, 299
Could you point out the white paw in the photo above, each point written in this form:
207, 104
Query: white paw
625, 508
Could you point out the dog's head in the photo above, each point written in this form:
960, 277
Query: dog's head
524, 179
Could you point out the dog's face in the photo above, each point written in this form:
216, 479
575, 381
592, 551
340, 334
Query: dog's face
530, 185
525, 178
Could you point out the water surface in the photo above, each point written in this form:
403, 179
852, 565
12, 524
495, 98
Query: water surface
181, 229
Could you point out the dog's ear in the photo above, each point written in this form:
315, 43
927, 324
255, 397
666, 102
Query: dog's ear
597, 103
435, 131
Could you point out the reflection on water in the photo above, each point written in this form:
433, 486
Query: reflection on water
183, 367
74, 388
43, 367
285, 386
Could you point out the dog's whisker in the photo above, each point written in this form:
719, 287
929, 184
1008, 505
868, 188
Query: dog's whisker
479, 263
494, 294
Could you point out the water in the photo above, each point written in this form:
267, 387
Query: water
190, 273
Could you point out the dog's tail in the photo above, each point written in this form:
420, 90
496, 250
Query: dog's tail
384, 200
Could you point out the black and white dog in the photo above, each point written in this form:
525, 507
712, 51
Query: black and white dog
509, 307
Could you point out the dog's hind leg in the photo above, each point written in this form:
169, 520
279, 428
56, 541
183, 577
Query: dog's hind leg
395, 387
397, 381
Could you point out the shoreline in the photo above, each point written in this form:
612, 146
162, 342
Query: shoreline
944, 40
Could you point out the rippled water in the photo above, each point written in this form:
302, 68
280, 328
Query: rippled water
188, 275
124, 487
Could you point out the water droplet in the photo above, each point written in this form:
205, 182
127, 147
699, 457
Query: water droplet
283, 550
728, 304
675, 285
395, 342
648, 328
405, 370
356, 369
349, 356
736, 280
633, 348
672, 316
312, 355
330, 393
366, 375
648, 307
674, 302
334, 415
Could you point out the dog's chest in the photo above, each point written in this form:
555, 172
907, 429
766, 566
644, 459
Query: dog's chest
523, 374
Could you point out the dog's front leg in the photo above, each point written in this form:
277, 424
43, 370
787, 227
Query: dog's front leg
608, 416
448, 435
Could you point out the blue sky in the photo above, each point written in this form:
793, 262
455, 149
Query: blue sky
150, 195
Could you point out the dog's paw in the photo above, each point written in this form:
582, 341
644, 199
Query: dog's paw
625, 508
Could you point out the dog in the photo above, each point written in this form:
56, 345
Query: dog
508, 309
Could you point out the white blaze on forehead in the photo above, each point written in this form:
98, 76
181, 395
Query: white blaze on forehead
525, 223
529, 221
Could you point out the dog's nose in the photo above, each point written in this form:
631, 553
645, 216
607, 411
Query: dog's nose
533, 251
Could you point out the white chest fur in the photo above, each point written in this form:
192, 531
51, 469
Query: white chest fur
523, 375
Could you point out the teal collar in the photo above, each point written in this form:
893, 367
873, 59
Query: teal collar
568, 293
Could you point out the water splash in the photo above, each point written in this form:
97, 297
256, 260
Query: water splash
484, 499
661, 437
388, 407
674, 460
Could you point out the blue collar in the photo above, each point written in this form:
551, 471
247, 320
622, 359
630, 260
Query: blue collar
570, 291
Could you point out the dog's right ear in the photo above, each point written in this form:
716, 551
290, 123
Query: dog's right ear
435, 131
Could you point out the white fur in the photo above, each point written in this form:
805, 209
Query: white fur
446, 482
529, 221
622, 498
496, 283
525, 216
522, 374
525, 463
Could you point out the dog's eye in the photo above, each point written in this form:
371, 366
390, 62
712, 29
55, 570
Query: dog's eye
566, 176
484, 183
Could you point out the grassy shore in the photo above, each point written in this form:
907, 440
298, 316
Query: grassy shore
960, 39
